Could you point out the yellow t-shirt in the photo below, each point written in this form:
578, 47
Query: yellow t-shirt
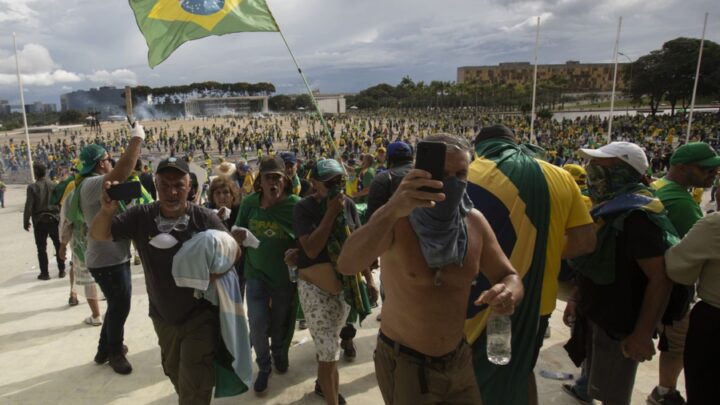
567, 210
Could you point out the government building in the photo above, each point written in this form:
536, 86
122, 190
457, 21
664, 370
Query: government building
581, 77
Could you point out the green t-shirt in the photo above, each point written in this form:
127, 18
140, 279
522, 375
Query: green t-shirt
682, 210
273, 227
365, 183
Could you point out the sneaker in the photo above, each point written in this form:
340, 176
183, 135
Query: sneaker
44, 277
281, 364
570, 390
102, 357
136, 260
302, 324
120, 364
261, 382
91, 320
349, 351
61, 274
318, 392
671, 398
72, 301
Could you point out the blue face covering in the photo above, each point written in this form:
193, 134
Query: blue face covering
441, 230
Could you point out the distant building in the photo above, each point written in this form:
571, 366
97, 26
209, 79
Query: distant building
219, 106
331, 103
581, 77
106, 100
40, 107
5, 107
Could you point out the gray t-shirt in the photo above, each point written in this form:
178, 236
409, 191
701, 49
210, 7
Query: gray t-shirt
99, 253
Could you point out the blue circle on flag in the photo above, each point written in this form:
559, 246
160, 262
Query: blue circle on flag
202, 7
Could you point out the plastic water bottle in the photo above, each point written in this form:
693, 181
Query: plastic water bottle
292, 273
499, 337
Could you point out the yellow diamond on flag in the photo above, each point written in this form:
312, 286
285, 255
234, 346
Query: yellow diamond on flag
205, 13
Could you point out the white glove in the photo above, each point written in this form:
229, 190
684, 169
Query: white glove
138, 131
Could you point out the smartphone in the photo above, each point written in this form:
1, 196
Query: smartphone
125, 191
430, 157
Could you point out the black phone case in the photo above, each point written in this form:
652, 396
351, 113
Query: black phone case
125, 191
431, 158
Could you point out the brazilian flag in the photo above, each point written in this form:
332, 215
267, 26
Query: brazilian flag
508, 186
167, 24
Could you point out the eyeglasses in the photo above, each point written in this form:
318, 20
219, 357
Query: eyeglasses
166, 225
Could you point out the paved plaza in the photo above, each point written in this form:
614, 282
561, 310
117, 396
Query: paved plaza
46, 350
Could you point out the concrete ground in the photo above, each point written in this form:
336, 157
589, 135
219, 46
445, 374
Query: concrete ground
46, 350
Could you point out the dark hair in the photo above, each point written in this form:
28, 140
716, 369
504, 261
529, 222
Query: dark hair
398, 159
39, 169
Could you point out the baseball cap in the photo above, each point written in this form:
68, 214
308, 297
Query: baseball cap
89, 156
326, 169
381, 149
628, 152
173, 163
577, 172
399, 149
289, 157
699, 153
272, 164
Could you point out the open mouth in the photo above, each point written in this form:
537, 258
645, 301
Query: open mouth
273, 189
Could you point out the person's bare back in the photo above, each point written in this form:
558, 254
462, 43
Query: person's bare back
417, 313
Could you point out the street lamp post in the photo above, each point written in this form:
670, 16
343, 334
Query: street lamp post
629, 86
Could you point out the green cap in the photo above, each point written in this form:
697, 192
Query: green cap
326, 169
89, 156
698, 153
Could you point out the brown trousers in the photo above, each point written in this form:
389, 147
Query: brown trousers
188, 353
408, 380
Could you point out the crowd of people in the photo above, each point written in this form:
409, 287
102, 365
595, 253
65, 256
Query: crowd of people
295, 220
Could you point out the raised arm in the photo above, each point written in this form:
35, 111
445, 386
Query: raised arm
101, 227
372, 239
126, 163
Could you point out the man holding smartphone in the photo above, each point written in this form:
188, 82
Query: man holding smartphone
109, 261
432, 246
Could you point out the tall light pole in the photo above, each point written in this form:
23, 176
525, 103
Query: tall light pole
629, 86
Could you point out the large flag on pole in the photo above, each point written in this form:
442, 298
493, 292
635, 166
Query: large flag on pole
167, 24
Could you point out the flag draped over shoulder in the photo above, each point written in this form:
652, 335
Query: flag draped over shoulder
507, 185
167, 24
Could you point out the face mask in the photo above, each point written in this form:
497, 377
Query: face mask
163, 241
605, 181
454, 190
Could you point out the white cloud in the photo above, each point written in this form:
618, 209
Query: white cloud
118, 77
17, 11
34, 58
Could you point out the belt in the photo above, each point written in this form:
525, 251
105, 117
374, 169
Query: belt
420, 356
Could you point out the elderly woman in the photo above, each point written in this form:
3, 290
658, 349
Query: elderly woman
224, 196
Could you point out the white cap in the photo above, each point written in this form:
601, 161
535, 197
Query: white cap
626, 151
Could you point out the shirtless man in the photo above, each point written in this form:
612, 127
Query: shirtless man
421, 354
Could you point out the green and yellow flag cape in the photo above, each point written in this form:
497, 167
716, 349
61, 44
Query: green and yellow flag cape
167, 24
508, 186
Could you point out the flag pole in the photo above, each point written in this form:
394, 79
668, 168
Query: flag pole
612, 95
697, 75
22, 107
312, 96
533, 138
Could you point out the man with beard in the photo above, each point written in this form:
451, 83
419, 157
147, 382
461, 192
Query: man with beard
622, 287
692, 165
421, 354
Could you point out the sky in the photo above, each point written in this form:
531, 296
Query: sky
342, 46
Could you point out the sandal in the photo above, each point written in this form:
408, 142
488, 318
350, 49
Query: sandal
72, 301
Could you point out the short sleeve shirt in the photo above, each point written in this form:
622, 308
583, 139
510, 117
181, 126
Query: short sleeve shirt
308, 215
682, 210
168, 302
99, 253
567, 210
